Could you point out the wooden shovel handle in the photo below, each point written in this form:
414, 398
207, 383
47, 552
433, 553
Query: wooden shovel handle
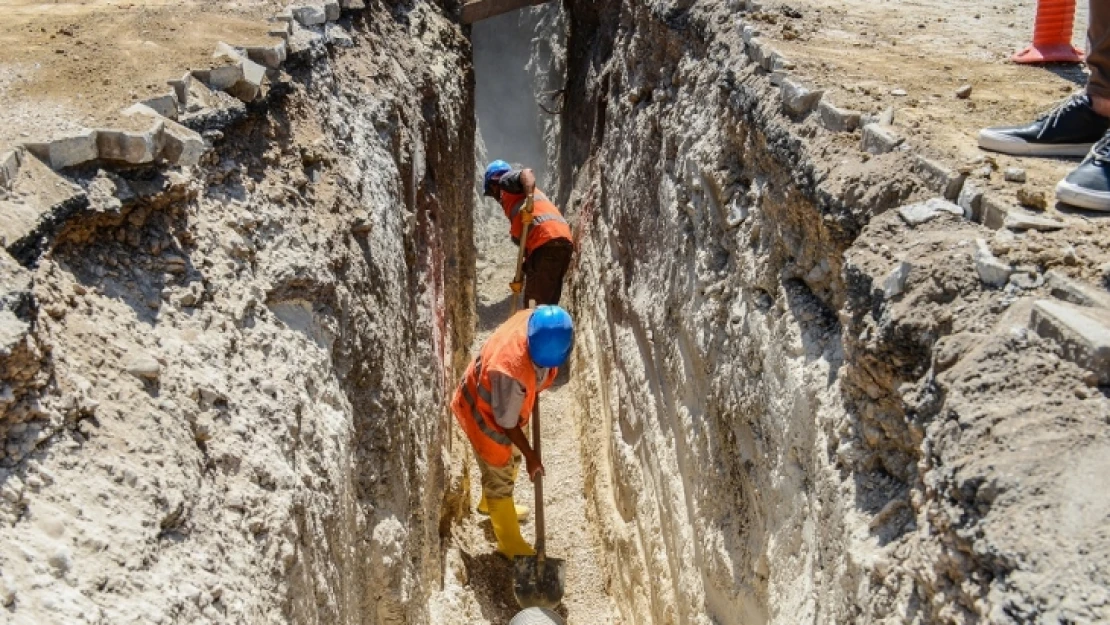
538, 484
519, 279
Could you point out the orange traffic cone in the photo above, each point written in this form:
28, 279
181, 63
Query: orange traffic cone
1052, 35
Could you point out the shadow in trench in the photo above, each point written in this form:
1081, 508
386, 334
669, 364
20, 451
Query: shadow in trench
492, 315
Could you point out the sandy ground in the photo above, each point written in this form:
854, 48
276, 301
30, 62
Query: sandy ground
865, 53
487, 596
69, 64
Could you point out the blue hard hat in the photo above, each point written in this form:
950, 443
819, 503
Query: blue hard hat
550, 336
493, 170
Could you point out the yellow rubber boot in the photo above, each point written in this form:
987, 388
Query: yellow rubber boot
521, 511
502, 515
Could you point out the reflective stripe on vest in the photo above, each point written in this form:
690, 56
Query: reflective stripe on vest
539, 219
487, 396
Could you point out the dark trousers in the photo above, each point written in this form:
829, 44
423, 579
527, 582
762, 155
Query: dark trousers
544, 270
1098, 52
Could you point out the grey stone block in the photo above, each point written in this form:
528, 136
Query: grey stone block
1019, 221
994, 211
42, 201
797, 99
917, 214
9, 168
331, 10
270, 57
939, 177
181, 89
67, 151
250, 87
895, 281
991, 270
182, 146
164, 105
837, 119
1082, 333
310, 15
353, 5
337, 36
135, 148
879, 139
1080, 293
971, 200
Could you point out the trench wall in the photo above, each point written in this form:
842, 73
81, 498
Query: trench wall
228, 394
790, 395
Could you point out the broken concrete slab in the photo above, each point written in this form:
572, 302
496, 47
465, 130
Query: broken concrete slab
992, 271
41, 202
250, 87
798, 99
879, 139
1075, 292
1083, 334
917, 214
939, 177
836, 119
66, 151
181, 90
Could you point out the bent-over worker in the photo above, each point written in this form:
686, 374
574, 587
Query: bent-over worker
494, 402
549, 246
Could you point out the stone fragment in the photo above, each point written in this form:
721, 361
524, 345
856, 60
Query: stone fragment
310, 15
797, 99
991, 271
67, 151
1075, 292
895, 281
46, 200
1020, 221
971, 200
250, 87
836, 119
164, 105
749, 33
964, 92
271, 57
879, 139
917, 214
331, 10
1014, 174
181, 89
1082, 333
337, 36
898, 92
135, 148
1032, 198
143, 366
9, 168
940, 178
778, 77
181, 146
353, 5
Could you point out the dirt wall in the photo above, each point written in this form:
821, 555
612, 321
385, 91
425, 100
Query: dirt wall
235, 407
798, 404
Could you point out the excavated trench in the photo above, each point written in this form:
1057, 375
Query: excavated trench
225, 396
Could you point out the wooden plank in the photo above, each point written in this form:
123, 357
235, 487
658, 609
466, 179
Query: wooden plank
478, 10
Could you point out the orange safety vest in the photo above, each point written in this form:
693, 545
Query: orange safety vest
506, 352
547, 221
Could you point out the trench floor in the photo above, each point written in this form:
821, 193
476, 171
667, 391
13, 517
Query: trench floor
481, 591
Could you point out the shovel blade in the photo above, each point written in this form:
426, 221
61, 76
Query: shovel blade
539, 582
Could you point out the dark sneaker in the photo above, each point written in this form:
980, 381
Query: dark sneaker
1088, 186
1070, 129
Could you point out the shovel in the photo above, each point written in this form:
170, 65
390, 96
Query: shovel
539, 580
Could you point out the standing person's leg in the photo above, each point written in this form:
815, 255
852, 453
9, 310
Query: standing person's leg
497, 492
1088, 186
1098, 55
547, 266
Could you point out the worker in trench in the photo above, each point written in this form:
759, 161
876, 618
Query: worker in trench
494, 402
549, 247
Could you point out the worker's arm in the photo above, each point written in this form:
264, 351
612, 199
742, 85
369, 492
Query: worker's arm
531, 461
508, 399
528, 181
518, 181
